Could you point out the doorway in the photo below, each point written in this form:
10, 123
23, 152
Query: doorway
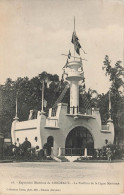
77, 140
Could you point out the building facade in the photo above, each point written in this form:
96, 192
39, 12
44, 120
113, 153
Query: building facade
66, 130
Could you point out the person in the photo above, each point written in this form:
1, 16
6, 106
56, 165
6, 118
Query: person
35, 149
109, 154
30, 115
14, 149
26, 146
17, 148
17, 144
41, 154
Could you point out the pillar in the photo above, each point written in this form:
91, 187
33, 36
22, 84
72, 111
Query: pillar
74, 96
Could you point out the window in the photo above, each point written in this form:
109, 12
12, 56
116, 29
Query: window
36, 139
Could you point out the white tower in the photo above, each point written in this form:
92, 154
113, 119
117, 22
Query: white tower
74, 75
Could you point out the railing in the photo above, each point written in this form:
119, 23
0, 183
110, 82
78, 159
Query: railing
76, 151
71, 152
77, 110
73, 110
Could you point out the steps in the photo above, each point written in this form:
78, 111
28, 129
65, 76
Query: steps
72, 158
56, 159
68, 158
63, 159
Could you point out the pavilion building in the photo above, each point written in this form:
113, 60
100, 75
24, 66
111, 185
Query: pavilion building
67, 130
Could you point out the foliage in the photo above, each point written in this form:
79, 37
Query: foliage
25, 153
28, 93
108, 152
115, 74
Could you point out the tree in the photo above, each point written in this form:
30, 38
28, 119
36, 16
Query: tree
28, 93
116, 74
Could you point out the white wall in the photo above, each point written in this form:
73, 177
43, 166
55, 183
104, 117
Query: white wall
30, 134
36, 128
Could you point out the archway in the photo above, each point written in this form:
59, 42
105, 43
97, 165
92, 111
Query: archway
77, 140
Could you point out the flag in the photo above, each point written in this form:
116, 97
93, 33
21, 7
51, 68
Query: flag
48, 83
83, 80
62, 79
66, 65
84, 86
76, 43
69, 54
44, 103
81, 68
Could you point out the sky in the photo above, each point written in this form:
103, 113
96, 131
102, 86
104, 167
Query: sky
34, 34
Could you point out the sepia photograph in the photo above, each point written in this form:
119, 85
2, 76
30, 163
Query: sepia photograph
61, 97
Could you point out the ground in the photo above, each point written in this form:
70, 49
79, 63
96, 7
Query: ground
61, 178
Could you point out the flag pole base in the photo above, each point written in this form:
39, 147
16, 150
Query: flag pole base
42, 112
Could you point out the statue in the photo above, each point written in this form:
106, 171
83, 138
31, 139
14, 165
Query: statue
33, 114
30, 115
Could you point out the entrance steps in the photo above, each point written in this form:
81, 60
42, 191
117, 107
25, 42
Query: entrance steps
62, 158
57, 159
68, 158
72, 158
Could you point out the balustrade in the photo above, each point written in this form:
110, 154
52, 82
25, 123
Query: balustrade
71, 152
77, 110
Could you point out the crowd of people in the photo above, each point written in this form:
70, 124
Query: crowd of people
26, 151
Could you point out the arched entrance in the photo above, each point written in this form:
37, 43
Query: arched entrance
77, 140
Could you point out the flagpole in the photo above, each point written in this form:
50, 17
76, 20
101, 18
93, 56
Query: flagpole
74, 33
16, 114
16, 107
42, 96
109, 104
74, 24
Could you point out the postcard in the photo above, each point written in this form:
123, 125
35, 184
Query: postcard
61, 97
